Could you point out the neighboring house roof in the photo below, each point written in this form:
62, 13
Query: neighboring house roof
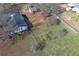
16, 23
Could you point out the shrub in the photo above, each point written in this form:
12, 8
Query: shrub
40, 46
63, 32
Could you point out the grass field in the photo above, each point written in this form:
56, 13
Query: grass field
72, 16
56, 45
66, 45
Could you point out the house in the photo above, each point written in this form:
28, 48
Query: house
16, 23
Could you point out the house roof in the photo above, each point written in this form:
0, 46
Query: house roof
16, 23
17, 17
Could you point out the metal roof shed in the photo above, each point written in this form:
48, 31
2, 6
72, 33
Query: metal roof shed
16, 23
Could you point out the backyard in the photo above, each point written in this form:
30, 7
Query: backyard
48, 37
66, 45
72, 18
55, 44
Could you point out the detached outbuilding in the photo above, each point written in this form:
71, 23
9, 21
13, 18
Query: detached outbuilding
17, 23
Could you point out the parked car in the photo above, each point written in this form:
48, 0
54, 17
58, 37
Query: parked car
73, 8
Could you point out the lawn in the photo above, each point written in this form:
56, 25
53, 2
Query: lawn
72, 16
67, 45
56, 45
48, 34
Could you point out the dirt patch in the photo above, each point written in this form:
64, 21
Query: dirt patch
37, 19
18, 45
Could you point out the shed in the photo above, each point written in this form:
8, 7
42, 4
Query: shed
16, 23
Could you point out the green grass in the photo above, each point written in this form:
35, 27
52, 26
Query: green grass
72, 16
67, 45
